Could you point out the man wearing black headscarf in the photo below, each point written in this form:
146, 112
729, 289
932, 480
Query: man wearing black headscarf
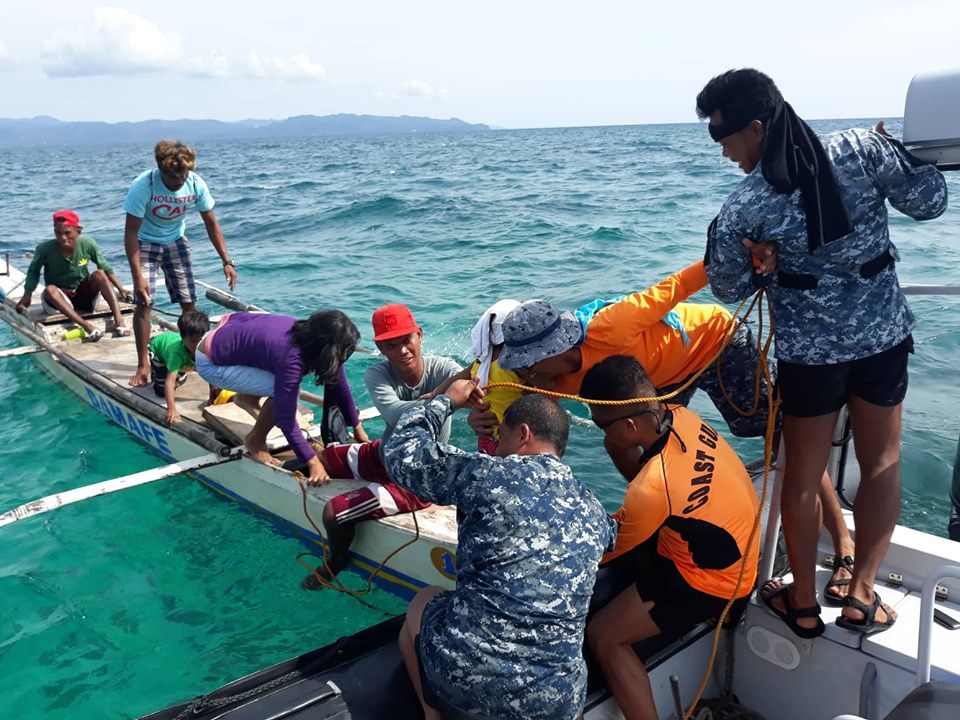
814, 213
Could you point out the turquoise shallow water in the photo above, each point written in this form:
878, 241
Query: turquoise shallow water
127, 603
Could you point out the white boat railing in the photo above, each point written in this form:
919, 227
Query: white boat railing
769, 553
927, 599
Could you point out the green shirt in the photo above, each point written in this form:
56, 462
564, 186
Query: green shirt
66, 273
170, 349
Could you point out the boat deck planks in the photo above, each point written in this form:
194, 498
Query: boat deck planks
116, 359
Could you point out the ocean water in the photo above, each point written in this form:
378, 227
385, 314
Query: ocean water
124, 604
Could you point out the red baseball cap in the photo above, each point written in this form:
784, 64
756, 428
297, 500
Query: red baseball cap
393, 321
67, 216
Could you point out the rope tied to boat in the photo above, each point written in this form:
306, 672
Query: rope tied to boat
334, 583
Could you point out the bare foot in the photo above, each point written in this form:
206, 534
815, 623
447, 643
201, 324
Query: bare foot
262, 455
141, 378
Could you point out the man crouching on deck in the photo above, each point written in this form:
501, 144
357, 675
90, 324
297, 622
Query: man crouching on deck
693, 501
506, 643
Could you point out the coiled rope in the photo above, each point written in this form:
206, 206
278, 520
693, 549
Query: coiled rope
334, 582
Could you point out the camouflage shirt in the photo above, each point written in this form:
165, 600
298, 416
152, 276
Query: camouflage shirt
507, 642
856, 308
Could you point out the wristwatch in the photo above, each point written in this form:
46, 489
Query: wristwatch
230, 263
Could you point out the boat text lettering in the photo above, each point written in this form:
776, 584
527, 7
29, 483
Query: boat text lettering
129, 422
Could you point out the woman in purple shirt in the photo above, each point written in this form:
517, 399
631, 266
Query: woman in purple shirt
260, 355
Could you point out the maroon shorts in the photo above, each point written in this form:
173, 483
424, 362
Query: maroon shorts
380, 498
488, 445
83, 297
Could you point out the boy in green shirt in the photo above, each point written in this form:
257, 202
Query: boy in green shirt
172, 354
70, 286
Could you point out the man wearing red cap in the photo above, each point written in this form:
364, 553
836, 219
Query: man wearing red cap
70, 286
405, 378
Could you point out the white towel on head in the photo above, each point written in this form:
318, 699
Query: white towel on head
489, 332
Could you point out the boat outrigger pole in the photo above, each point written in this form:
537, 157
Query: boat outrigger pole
52, 502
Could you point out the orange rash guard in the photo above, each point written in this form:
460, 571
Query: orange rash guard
701, 503
632, 327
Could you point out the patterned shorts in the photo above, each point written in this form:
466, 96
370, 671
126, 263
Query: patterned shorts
173, 260
380, 498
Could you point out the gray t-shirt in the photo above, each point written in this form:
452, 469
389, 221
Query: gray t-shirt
392, 396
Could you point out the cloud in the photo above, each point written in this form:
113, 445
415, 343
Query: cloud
295, 67
414, 89
124, 43
6, 62
120, 43
214, 64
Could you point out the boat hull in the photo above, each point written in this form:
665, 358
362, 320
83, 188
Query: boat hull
274, 492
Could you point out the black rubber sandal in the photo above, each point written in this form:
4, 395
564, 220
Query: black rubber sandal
868, 624
846, 563
790, 614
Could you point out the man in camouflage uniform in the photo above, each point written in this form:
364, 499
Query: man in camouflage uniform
815, 214
506, 643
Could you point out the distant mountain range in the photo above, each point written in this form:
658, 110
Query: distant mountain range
44, 130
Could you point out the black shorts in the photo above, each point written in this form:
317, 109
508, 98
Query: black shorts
812, 390
678, 607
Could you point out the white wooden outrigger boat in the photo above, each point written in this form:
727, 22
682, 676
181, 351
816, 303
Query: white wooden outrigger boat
97, 373
841, 675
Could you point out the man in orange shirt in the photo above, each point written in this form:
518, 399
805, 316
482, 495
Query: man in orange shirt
693, 501
670, 338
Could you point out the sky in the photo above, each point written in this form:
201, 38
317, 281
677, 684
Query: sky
518, 64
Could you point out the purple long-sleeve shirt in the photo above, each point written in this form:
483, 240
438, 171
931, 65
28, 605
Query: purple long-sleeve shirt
263, 341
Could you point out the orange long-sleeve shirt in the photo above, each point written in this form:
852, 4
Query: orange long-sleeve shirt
633, 327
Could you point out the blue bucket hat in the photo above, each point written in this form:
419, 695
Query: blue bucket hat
535, 331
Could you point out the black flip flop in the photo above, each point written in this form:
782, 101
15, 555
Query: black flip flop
868, 623
845, 562
790, 614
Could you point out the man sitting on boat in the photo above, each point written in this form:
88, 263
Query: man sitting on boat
404, 379
815, 215
506, 643
154, 238
71, 288
684, 527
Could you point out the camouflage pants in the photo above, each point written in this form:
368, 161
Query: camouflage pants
737, 366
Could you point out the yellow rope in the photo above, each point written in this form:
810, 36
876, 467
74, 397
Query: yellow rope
773, 404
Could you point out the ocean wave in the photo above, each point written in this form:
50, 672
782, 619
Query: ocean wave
381, 207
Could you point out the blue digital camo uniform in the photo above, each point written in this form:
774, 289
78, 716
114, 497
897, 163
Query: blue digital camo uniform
506, 643
855, 308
